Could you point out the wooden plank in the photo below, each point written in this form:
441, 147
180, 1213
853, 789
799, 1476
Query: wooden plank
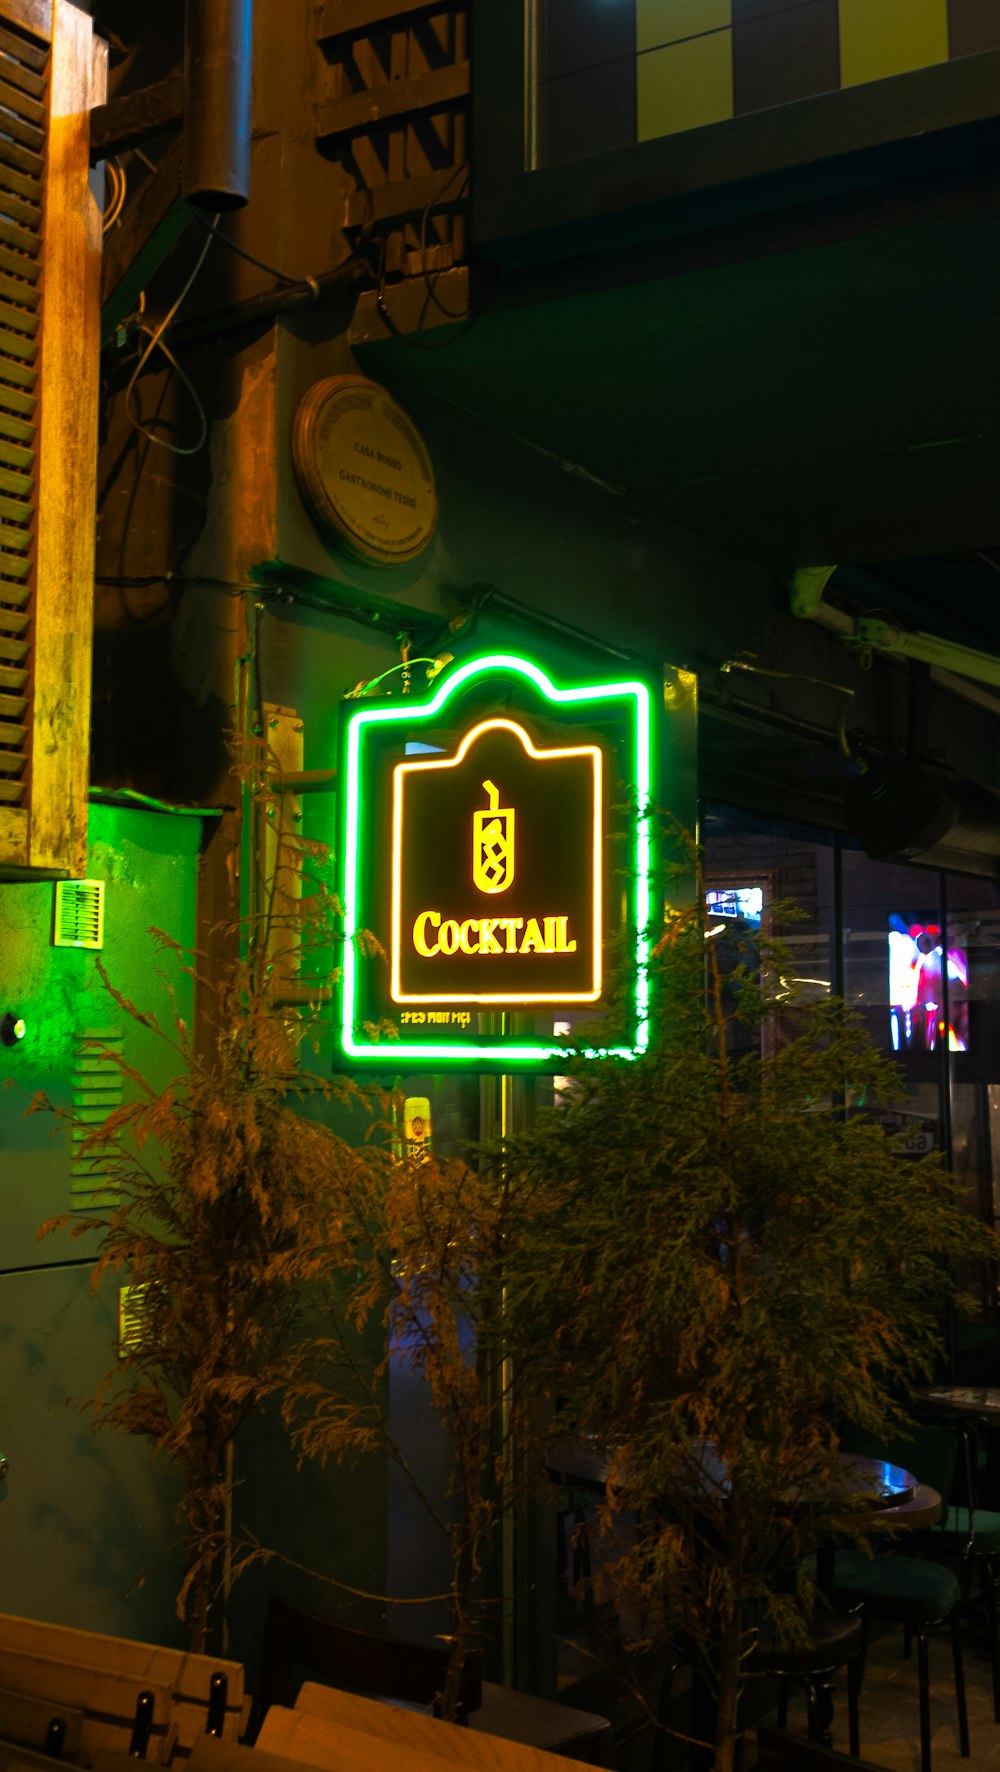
15, 72
356, 18
188, 1675
34, 16
84, 1686
406, 199
126, 121
361, 111
27, 1720
413, 1740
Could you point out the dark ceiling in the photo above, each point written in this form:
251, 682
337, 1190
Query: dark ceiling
823, 390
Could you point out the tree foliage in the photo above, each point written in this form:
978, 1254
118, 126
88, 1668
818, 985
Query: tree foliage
229, 1195
736, 1259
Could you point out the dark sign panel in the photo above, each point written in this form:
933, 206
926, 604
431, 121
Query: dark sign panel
476, 835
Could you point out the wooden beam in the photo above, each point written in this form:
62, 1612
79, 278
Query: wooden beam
356, 18
398, 101
406, 199
126, 121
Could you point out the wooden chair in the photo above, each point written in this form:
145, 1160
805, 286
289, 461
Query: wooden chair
911, 1590
373, 1666
413, 1673
834, 1641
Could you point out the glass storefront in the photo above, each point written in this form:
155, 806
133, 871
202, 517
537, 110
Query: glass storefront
916, 952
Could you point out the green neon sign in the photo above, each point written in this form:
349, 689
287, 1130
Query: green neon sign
474, 839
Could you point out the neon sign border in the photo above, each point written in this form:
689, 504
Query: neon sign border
579, 695
423, 768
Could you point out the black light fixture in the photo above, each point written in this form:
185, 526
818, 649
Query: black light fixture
12, 1029
902, 809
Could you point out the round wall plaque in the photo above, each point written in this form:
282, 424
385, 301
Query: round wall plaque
364, 469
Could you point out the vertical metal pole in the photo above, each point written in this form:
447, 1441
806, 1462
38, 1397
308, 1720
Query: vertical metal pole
947, 1144
837, 978
218, 37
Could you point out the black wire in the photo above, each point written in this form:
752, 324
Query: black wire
241, 252
141, 580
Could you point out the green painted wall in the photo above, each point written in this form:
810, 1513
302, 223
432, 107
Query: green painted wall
82, 1515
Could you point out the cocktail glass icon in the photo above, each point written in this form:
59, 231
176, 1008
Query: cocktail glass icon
493, 844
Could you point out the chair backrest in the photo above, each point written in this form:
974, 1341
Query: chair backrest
355, 1661
929, 1451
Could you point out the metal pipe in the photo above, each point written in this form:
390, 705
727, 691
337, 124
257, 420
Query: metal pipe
218, 36
271, 302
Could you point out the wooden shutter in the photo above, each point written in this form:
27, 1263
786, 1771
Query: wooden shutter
52, 70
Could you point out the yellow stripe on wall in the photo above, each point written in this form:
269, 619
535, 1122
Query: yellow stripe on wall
883, 37
684, 85
658, 22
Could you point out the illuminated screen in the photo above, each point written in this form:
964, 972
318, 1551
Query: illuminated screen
743, 902
916, 1007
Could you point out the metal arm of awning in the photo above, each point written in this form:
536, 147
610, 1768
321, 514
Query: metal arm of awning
807, 600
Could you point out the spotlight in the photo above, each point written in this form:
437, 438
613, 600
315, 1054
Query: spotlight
12, 1029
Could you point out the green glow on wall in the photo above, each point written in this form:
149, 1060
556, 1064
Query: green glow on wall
629, 697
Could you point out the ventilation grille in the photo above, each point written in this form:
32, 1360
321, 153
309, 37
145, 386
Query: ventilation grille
131, 1318
23, 123
79, 914
97, 1091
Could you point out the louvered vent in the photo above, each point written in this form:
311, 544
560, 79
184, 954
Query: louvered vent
131, 1318
79, 914
97, 1091
24, 67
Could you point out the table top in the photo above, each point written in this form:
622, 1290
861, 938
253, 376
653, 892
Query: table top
902, 1498
982, 1401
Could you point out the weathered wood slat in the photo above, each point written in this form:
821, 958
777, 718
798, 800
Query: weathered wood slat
19, 155
14, 455
11, 792
18, 75
17, 374
19, 346
19, 263
33, 55
14, 539
361, 111
17, 483
15, 510
24, 296
19, 430
28, 190
18, 209
22, 104
19, 239
12, 678
11, 707
11, 566
16, 399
